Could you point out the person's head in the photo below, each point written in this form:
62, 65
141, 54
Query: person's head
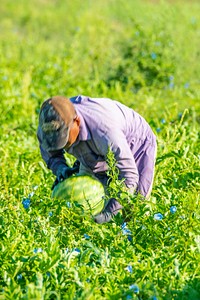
59, 124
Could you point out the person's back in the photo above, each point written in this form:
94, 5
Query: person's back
111, 115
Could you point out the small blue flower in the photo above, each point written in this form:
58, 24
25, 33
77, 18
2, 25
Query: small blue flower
123, 225
125, 230
154, 298
186, 85
153, 55
48, 274
50, 214
128, 297
158, 216
129, 268
134, 288
38, 250
31, 194
173, 209
68, 204
26, 203
77, 250
193, 20
87, 237
158, 129
157, 43
19, 277
163, 121
143, 227
171, 85
171, 77
129, 237
180, 115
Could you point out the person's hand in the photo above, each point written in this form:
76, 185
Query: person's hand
65, 172
112, 208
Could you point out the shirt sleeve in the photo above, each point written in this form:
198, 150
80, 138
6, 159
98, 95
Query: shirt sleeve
125, 161
53, 159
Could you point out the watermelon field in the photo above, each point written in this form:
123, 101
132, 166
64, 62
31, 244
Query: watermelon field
145, 54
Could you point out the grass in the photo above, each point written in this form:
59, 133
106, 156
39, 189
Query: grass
146, 55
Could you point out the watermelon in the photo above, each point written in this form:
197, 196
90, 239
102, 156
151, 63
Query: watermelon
84, 190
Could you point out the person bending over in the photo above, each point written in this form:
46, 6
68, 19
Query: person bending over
87, 128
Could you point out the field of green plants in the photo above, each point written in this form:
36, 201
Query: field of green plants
145, 54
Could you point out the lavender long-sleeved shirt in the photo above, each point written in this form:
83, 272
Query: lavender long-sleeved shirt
107, 123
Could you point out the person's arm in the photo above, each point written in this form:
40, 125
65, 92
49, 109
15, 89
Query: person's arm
125, 161
127, 169
54, 160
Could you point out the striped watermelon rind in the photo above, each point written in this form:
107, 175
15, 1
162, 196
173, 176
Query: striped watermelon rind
84, 190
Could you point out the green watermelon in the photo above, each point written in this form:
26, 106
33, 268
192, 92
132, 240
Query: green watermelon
83, 189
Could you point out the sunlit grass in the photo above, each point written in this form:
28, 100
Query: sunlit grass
146, 55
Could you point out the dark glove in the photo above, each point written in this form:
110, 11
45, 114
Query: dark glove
65, 172
112, 208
